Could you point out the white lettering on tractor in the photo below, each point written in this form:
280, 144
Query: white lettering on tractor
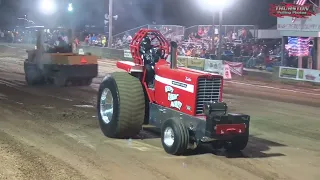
168, 89
176, 104
173, 98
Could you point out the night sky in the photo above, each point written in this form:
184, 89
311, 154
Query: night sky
134, 13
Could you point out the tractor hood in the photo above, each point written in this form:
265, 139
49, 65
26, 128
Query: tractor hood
182, 74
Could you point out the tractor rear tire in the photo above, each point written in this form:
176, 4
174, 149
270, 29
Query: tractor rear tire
178, 144
59, 79
33, 75
126, 117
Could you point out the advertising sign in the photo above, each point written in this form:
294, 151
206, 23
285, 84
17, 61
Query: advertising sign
235, 67
196, 63
215, 66
127, 54
291, 10
288, 72
182, 61
309, 75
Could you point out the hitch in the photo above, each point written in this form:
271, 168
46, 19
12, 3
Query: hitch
219, 123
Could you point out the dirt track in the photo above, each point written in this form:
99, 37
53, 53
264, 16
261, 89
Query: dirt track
52, 133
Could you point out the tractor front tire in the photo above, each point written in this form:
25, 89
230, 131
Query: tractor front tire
175, 137
33, 75
123, 116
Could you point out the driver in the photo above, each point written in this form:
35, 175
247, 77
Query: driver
150, 55
61, 45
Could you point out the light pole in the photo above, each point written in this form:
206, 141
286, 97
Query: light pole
110, 23
72, 26
214, 6
213, 33
220, 34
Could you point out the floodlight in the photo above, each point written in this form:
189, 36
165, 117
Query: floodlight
70, 7
48, 7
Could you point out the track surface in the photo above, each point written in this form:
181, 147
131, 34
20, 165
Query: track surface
52, 133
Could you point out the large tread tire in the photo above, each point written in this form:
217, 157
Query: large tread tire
33, 75
59, 80
128, 105
181, 137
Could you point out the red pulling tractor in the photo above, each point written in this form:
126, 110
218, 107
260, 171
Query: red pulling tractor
185, 103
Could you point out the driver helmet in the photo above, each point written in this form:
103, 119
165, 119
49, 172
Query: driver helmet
145, 44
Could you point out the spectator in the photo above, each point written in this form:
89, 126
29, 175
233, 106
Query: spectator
234, 36
86, 40
104, 41
90, 39
2, 35
65, 38
203, 53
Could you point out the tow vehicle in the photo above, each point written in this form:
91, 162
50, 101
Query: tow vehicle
58, 65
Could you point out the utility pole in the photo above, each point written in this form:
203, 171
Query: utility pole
213, 34
220, 33
72, 19
110, 23
282, 47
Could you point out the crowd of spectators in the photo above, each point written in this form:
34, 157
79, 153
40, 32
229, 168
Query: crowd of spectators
10, 36
96, 40
237, 45
51, 37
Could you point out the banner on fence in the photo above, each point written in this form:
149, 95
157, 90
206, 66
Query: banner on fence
288, 73
127, 54
235, 67
182, 61
309, 75
227, 72
215, 66
300, 74
196, 63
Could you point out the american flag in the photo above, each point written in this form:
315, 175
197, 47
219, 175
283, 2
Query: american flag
299, 3
298, 46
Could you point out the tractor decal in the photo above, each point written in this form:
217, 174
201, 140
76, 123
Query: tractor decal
176, 84
176, 104
179, 84
168, 89
173, 98
188, 79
